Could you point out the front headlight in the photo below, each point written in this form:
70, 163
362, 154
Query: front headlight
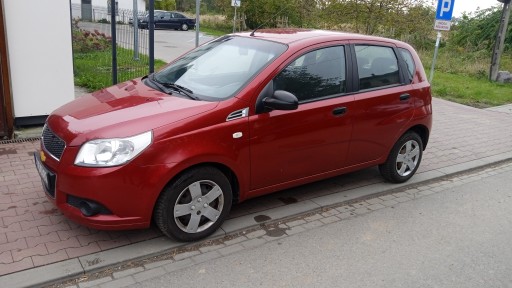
112, 152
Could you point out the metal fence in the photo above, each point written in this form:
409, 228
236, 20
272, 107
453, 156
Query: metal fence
132, 46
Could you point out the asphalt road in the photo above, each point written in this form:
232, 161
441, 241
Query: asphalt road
169, 44
458, 236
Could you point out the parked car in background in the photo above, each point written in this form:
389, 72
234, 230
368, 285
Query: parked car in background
141, 17
241, 116
169, 20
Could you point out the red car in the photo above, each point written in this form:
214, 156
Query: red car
241, 116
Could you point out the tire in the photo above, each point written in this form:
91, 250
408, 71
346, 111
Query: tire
404, 159
194, 205
184, 27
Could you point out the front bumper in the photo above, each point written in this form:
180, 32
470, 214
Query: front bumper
126, 194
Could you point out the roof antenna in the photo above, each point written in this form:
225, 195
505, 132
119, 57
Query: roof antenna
266, 22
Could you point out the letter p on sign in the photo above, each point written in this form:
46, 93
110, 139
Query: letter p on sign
446, 6
445, 10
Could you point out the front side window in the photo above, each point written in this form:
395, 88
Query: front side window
217, 70
317, 74
377, 66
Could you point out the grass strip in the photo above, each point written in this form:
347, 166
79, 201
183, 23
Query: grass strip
93, 70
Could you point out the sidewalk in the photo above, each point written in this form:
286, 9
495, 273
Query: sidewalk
33, 233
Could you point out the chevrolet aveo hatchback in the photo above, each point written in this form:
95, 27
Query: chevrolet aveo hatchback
241, 116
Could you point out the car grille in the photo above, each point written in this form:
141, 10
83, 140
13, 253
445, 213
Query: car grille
52, 143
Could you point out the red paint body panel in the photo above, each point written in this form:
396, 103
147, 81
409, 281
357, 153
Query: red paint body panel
289, 145
275, 150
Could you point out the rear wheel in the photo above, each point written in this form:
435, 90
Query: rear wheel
404, 159
194, 205
184, 27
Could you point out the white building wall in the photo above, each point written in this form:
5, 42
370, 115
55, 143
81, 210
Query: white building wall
40, 55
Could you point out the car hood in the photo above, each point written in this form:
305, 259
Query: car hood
126, 109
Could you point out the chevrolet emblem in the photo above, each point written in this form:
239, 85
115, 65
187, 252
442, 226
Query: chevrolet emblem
43, 157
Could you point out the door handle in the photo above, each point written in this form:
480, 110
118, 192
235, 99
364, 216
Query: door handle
339, 111
405, 97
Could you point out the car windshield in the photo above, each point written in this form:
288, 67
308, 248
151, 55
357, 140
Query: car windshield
220, 68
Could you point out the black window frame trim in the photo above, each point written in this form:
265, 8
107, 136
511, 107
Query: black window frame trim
355, 71
349, 86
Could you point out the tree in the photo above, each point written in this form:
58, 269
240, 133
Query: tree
168, 5
478, 31
390, 18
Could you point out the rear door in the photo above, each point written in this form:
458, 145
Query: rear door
177, 19
314, 139
383, 104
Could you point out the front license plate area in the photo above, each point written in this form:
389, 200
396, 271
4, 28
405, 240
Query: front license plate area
47, 177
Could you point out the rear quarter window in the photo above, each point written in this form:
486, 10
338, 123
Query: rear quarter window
409, 61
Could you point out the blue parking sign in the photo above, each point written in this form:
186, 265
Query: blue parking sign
445, 10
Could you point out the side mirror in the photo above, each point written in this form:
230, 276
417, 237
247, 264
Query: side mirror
281, 100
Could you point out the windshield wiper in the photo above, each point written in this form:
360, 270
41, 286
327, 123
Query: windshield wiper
161, 87
173, 87
180, 89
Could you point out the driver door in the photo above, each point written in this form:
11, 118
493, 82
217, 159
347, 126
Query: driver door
314, 139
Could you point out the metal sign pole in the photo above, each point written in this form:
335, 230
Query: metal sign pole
435, 56
442, 23
234, 21
235, 3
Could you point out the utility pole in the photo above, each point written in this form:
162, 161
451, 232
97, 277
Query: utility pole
500, 41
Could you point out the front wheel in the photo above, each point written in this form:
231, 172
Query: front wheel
184, 27
194, 205
404, 159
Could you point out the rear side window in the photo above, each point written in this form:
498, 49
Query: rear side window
314, 75
409, 61
377, 66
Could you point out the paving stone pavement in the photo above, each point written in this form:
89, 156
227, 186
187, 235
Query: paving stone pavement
33, 233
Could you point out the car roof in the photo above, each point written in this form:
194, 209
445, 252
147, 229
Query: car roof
296, 35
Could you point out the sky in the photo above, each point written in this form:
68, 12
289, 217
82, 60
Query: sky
472, 5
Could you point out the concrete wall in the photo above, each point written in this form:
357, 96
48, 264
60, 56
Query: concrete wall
40, 55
